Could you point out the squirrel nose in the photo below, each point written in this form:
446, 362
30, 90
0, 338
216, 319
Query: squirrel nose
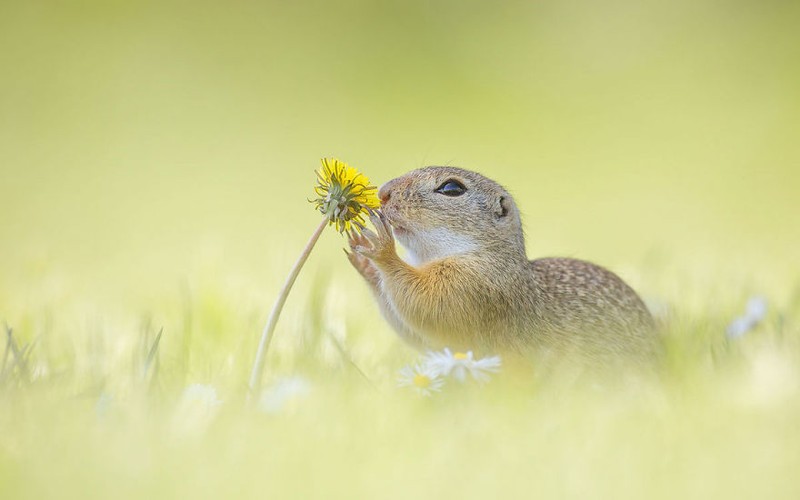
385, 192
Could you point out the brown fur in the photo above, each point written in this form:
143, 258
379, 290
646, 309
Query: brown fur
471, 285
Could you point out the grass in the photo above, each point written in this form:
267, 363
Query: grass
99, 412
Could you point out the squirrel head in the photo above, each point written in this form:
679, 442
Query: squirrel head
438, 212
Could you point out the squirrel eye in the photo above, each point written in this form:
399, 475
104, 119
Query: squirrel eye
451, 188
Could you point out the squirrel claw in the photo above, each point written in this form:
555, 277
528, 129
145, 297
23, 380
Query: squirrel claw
354, 239
381, 241
368, 235
381, 225
363, 265
365, 252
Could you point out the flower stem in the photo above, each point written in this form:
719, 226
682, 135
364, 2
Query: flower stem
266, 334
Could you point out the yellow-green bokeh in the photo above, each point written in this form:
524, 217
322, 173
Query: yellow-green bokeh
151, 136
156, 158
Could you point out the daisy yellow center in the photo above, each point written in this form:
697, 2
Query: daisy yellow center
460, 356
422, 381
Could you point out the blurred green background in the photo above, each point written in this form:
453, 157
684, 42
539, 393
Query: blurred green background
145, 144
156, 158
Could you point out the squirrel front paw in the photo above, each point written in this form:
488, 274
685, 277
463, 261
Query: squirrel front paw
379, 245
362, 264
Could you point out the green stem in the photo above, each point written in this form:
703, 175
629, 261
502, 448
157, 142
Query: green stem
266, 334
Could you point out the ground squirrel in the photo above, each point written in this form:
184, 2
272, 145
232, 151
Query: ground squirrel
466, 282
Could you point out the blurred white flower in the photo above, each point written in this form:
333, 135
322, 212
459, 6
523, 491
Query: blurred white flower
659, 309
200, 396
739, 327
756, 308
421, 378
196, 409
755, 312
104, 404
283, 394
460, 364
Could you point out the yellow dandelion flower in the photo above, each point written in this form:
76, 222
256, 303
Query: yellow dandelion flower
344, 194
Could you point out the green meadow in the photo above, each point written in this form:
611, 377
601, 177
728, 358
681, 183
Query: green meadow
156, 162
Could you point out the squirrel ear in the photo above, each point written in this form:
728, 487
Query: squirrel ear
502, 207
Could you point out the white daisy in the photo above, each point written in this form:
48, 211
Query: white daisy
421, 378
460, 364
